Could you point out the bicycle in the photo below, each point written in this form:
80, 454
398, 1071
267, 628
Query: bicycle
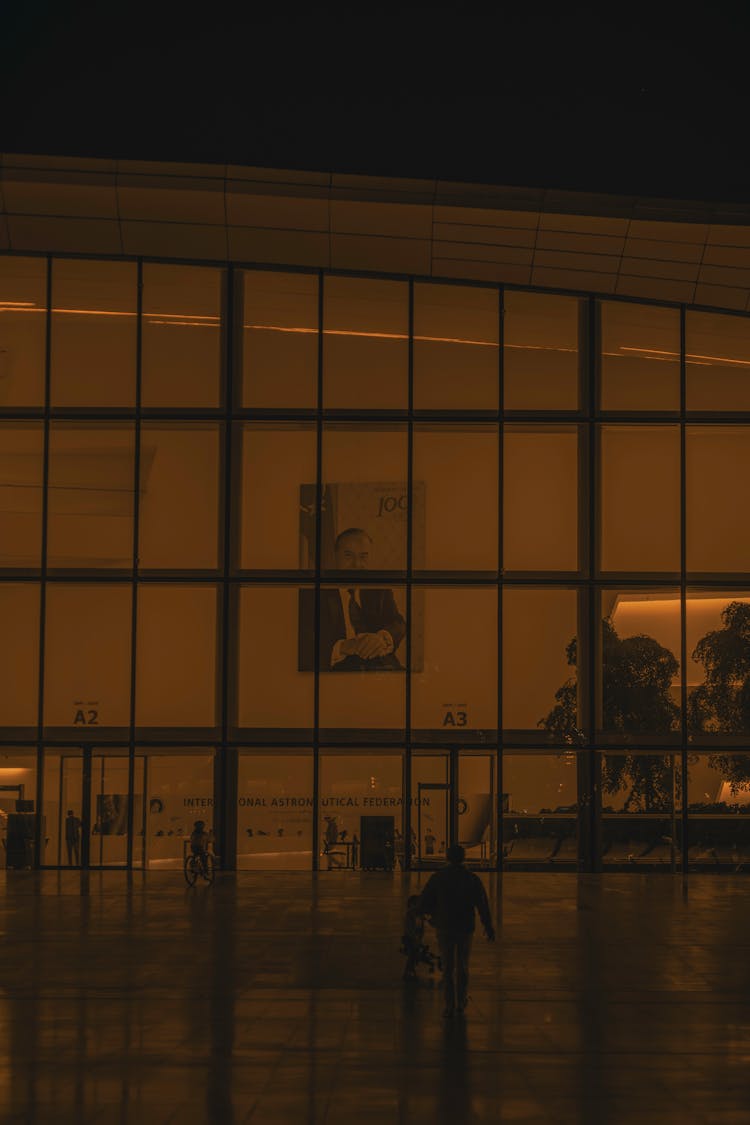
201, 865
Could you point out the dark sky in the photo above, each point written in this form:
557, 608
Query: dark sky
628, 106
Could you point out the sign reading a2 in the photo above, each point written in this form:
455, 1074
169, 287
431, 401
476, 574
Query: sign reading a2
86, 714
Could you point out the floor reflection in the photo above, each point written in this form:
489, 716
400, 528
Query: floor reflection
605, 999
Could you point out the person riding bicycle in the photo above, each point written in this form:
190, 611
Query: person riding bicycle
200, 839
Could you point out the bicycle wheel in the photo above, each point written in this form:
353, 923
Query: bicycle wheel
191, 870
208, 868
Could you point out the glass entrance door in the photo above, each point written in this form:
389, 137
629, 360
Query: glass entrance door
432, 806
86, 807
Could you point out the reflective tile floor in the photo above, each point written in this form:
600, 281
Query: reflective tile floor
277, 998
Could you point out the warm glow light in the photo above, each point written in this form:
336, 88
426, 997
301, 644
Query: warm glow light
698, 360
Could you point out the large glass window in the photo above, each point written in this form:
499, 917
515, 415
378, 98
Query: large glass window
454, 662
455, 486
640, 688
277, 496
179, 790
365, 498
275, 662
19, 654
640, 499
718, 669
360, 811
109, 801
717, 358
362, 660
718, 536
540, 809
541, 366
641, 808
181, 336
719, 811
275, 811
640, 359
540, 498
456, 347
87, 659
18, 812
179, 496
365, 343
63, 840
21, 473
280, 340
94, 333
176, 652
542, 701
23, 330
91, 495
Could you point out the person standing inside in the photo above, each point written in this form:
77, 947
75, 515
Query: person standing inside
73, 839
451, 896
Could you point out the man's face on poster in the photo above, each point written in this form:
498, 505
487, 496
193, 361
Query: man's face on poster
353, 551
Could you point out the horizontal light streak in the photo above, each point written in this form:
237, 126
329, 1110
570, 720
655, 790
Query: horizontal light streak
197, 320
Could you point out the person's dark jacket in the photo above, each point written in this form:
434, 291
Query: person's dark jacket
379, 611
451, 896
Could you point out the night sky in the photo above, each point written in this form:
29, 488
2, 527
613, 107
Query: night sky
627, 106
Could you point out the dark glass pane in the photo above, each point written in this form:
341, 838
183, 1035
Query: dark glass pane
181, 343
91, 493
540, 658
18, 773
21, 479
719, 811
718, 671
641, 810
280, 340
278, 496
93, 333
640, 362
179, 790
361, 811
19, 654
640, 498
23, 330
455, 486
541, 362
274, 693
456, 344
176, 656
717, 356
62, 808
640, 666
362, 659
454, 663
540, 809
365, 346
364, 492
540, 487
87, 657
718, 535
179, 497
275, 812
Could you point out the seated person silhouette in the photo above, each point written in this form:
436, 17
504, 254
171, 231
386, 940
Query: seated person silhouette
360, 626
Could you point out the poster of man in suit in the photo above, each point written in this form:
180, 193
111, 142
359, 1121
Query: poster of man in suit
362, 624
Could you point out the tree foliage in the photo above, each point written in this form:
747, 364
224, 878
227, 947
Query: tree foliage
721, 704
637, 675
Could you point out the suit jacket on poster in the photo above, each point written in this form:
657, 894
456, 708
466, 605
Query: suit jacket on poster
379, 611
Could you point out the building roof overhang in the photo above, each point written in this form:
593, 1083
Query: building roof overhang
657, 249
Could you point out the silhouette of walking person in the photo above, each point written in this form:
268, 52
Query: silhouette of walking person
73, 839
451, 896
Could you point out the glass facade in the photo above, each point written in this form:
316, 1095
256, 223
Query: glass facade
352, 567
